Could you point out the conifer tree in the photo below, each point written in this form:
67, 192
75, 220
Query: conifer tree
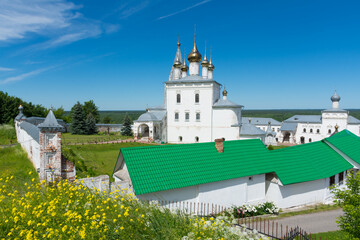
90, 107
78, 125
126, 128
91, 124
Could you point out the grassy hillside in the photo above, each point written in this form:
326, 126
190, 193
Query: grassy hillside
93, 160
7, 134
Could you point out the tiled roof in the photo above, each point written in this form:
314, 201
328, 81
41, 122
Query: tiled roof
352, 120
307, 162
261, 121
167, 167
288, 126
160, 168
249, 129
151, 116
32, 130
305, 119
50, 121
348, 143
223, 103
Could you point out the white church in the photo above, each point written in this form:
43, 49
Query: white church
194, 111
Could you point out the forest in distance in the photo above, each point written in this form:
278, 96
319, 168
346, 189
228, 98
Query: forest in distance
117, 117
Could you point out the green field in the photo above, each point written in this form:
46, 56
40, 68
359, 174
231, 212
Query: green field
7, 134
68, 138
14, 162
336, 235
93, 160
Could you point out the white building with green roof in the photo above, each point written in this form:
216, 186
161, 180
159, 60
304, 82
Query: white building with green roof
239, 172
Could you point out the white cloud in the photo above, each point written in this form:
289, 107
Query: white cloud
183, 10
21, 17
4, 69
24, 75
132, 10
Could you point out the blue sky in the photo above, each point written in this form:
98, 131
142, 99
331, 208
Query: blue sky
269, 54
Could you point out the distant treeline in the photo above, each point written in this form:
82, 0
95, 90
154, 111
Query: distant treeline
277, 114
9, 108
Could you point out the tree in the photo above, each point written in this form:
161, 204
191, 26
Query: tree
90, 107
126, 128
107, 119
78, 125
91, 124
59, 112
349, 200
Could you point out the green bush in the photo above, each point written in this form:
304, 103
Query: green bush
248, 210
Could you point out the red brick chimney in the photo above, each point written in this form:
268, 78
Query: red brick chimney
219, 145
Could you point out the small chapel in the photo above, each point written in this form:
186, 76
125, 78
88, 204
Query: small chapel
194, 110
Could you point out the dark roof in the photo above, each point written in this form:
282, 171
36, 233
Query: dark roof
32, 130
50, 121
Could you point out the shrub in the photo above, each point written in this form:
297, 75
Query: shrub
255, 210
72, 211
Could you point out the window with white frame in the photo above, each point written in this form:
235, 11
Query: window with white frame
178, 98
197, 98
187, 117
176, 117
198, 117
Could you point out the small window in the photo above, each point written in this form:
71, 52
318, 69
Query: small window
329, 131
317, 130
341, 178
180, 138
187, 117
310, 140
311, 130
332, 180
277, 139
273, 129
197, 98
176, 117
178, 98
304, 130
278, 129
250, 178
198, 117
196, 139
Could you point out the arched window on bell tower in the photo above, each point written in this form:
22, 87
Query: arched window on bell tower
178, 98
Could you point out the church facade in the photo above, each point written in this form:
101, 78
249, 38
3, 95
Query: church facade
193, 110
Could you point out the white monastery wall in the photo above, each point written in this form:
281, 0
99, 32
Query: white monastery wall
330, 120
31, 147
355, 129
227, 193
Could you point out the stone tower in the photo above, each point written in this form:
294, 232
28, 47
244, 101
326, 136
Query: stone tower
50, 148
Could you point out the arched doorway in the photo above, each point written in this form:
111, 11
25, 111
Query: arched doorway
143, 130
302, 140
286, 137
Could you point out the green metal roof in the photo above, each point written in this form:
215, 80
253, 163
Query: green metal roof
307, 162
166, 167
348, 143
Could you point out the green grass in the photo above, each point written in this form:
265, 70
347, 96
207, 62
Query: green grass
93, 160
68, 138
7, 134
14, 162
314, 209
335, 235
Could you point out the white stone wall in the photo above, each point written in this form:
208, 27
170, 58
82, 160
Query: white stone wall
29, 145
227, 193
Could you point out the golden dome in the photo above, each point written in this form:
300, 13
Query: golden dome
205, 62
194, 55
224, 92
177, 63
211, 67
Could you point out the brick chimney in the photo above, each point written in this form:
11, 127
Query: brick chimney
219, 145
